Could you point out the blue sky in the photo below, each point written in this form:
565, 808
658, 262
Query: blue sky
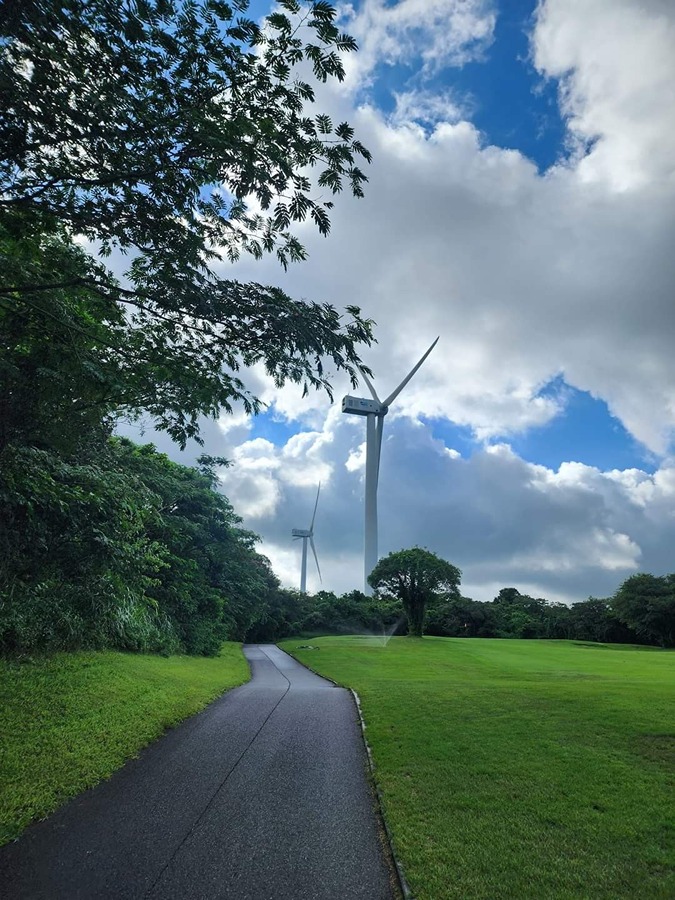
584, 431
514, 107
521, 205
509, 101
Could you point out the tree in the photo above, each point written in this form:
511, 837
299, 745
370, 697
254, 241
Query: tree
118, 546
518, 615
557, 622
460, 617
646, 603
146, 126
595, 620
70, 356
414, 577
213, 585
67, 354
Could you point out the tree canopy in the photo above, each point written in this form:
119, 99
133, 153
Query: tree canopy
415, 577
646, 603
181, 133
178, 134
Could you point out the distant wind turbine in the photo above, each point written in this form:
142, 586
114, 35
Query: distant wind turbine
307, 534
375, 410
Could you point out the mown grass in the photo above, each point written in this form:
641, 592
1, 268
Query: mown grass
519, 769
70, 720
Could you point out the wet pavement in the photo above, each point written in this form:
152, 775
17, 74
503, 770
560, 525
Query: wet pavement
262, 796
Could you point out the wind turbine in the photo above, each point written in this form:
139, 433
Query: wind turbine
375, 410
307, 534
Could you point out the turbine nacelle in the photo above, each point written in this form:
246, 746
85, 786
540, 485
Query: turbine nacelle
359, 406
301, 532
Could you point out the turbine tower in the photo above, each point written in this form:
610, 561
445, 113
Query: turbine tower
307, 534
375, 410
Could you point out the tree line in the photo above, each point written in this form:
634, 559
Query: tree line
419, 593
118, 547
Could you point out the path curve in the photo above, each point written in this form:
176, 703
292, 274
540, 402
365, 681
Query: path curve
262, 796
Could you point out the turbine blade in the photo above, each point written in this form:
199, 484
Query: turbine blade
311, 527
316, 558
394, 394
370, 385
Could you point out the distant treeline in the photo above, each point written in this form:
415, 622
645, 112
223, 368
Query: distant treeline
642, 611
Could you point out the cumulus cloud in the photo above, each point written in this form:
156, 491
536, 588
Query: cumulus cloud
524, 277
428, 107
616, 66
562, 534
528, 278
437, 33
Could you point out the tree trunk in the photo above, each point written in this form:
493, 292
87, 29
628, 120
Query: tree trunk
416, 613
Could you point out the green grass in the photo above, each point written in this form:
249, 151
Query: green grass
519, 769
70, 720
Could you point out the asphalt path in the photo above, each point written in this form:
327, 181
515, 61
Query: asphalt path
262, 796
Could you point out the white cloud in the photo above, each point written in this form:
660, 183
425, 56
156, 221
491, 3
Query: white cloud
526, 277
427, 107
558, 534
439, 33
617, 66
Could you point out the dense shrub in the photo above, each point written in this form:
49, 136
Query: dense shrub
119, 547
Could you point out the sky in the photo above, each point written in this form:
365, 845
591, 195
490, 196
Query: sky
521, 206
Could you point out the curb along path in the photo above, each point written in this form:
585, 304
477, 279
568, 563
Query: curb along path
262, 796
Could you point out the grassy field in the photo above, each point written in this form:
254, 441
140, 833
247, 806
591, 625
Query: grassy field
519, 769
69, 721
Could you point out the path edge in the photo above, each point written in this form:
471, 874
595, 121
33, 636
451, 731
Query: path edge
400, 874
402, 880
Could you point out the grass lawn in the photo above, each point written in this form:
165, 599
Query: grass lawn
70, 720
519, 769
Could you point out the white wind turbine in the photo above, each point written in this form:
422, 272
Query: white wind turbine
307, 534
375, 410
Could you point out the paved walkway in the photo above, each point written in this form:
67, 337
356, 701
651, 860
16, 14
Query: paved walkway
262, 796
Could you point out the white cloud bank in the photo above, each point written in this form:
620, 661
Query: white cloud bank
525, 277
564, 533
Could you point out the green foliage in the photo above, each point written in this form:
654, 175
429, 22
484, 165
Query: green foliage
646, 603
120, 547
290, 612
518, 769
285, 613
76, 562
143, 127
415, 577
460, 617
70, 720
212, 583
72, 355
64, 349
448, 614
515, 615
350, 613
